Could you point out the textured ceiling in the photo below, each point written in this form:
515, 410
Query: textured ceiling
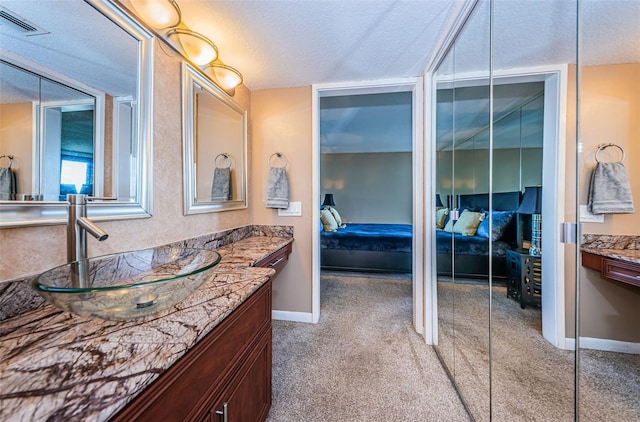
278, 44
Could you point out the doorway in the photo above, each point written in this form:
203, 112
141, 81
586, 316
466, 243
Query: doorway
413, 86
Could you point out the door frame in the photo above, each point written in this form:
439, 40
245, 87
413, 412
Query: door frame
553, 178
415, 86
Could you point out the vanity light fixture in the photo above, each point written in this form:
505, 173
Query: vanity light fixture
196, 47
166, 17
160, 14
228, 77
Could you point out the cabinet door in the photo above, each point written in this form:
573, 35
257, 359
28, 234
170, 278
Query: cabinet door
248, 397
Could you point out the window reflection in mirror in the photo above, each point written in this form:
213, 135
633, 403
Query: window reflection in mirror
214, 146
80, 109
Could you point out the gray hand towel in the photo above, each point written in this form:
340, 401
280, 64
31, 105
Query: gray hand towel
278, 188
610, 191
7, 184
221, 186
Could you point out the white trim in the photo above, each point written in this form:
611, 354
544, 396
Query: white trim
554, 175
419, 223
292, 316
315, 202
603, 344
429, 188
359, 88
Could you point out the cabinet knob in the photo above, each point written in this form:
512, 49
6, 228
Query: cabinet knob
223, 412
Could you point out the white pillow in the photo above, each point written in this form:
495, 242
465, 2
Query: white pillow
329, 223
336, 215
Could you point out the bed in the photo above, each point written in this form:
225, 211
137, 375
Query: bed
367, 247
388, 247
472, 252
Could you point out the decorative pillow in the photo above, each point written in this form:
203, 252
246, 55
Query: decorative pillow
329, 223
468, 223
501, 220
448, 227
441, 216
336, 216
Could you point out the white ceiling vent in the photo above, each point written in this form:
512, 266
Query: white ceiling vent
12, 21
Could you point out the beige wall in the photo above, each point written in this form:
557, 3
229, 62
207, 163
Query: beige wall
472, 170
610, 112
16, 138
27, 251
369, 187
281, 122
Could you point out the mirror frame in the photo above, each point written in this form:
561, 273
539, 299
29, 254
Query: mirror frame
40, 213
191, 76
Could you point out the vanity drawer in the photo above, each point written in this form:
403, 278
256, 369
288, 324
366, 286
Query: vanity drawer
621, 271
276, 260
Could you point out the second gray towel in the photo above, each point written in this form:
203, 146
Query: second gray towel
278, 188
7, 184
221, 187
610, 191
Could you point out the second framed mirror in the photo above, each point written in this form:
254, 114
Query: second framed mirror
214, 146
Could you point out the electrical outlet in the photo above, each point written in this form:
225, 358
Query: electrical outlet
294, 210
587, 217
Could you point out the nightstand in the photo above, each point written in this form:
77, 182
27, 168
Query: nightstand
524, 277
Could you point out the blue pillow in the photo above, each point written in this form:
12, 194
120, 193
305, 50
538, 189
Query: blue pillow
501, 220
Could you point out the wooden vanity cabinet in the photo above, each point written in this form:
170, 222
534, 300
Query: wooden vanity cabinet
231, 364
614, 269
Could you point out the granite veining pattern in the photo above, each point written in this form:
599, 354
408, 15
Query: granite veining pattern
623, 247
58, 366
17, 296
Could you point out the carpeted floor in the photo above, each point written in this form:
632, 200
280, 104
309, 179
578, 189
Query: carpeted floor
362, 362
531, 380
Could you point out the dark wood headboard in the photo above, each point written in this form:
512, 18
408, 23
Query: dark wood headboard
502, 201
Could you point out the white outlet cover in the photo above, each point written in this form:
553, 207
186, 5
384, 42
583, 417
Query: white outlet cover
587, 217
294, 210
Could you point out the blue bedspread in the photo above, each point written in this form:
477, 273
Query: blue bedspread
369, 237
468, 245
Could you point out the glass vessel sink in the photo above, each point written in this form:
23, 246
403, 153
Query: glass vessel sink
126, 285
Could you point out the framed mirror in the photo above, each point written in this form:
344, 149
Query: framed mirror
214, 146
76, 81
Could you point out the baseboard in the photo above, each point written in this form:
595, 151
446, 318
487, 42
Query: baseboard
604, 344
292, 316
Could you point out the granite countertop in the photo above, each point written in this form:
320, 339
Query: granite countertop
629, 255
58, 366
623, 247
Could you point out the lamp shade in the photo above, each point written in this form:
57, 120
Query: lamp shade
328, 200
439, 201
531, 201
196, 47
160, 14
226, 76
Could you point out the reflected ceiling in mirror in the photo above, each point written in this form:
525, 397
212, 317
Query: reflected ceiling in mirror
84, 71
214, 146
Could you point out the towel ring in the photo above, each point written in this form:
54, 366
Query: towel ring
604, 146
279, 157
225, 159
8, 157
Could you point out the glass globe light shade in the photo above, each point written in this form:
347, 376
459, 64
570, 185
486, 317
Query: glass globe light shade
196, 47
226, 76
160, 14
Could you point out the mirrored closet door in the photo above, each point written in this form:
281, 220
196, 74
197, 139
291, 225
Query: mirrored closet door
608, 78
462, 183
533, 101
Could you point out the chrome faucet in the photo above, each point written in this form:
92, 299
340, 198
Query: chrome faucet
77, 227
